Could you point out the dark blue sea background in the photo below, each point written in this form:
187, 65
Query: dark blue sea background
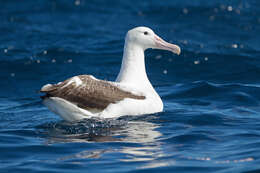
211, 92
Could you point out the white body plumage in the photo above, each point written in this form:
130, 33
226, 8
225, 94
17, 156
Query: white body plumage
132, 78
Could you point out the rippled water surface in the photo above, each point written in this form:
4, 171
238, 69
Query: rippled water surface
211, 92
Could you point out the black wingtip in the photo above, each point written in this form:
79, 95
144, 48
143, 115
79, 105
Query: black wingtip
45, 96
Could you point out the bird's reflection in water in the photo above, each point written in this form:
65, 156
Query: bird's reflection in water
138, 137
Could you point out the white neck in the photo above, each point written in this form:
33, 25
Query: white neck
133, 66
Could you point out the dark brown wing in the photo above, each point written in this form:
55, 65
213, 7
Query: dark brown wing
87, 92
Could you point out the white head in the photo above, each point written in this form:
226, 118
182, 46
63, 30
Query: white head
146, 38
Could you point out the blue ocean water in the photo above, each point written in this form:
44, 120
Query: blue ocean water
211, 92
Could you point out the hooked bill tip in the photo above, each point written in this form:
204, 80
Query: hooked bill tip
178, 52
161, 44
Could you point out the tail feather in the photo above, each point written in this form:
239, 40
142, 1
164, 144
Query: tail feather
48, 88
45, 96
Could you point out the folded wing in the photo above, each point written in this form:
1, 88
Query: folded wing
87, 92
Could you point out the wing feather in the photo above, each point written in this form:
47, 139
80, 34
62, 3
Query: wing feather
88, 92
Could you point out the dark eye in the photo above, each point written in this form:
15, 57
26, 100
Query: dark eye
145, 33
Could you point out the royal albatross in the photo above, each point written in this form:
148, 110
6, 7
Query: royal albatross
84, 96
